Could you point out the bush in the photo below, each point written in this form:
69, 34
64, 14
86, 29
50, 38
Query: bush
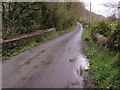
111, 31
102, 28
114, 39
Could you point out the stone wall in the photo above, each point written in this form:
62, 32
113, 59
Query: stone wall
100, 39
26, 38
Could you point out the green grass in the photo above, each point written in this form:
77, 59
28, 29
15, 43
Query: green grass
86, 34
17, 50
104, 65
5, 55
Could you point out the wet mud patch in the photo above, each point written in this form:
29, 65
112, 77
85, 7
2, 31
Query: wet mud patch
34, 66
30, 50
72, 60
19, 58
42, 51
27, 62
69, 50
47, 62
88, 83
30, 59
81, 71
24, 78
75, 84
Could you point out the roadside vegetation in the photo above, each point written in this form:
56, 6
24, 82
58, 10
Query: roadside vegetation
104, 59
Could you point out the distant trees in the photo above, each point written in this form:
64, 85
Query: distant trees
24, 17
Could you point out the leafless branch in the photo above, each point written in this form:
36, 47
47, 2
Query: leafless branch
111, 5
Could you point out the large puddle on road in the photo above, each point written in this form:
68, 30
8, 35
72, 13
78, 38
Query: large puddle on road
80, 65
84, 63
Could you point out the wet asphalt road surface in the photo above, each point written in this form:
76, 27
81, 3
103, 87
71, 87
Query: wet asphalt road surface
58, 63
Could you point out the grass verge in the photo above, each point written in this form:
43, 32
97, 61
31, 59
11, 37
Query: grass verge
5, 55
104, 64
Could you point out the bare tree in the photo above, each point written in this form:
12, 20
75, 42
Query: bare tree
112, 7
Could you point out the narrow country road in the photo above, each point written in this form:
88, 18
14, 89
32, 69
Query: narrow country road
58, 63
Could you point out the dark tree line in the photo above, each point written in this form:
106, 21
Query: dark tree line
24, 17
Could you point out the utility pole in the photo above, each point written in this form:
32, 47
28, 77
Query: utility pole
119, 11
90, 16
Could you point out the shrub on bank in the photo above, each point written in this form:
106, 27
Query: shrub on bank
104, 64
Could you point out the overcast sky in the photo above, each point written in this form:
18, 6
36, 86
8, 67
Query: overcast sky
98, 6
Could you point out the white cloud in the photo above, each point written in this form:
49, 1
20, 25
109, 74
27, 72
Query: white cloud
98, 6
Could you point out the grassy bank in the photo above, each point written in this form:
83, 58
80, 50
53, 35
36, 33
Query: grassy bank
104, 64
17, 50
